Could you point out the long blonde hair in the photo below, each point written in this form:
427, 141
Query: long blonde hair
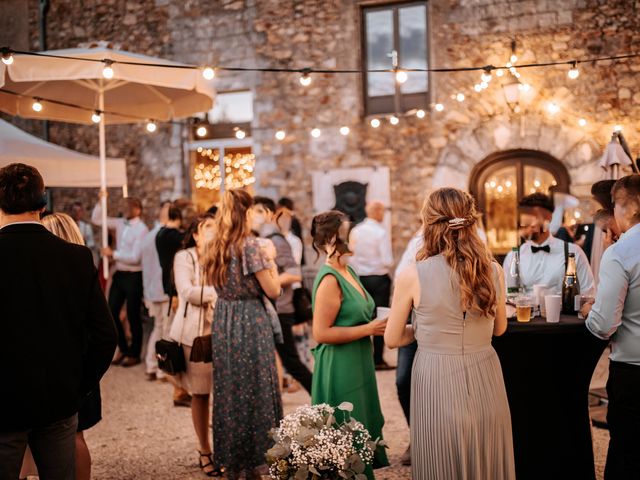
232, 229
449, 219
63, 226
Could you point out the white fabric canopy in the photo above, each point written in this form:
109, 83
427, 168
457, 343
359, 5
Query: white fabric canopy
59, 166
157, 93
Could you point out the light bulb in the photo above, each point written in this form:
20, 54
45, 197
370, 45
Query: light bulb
477, 87
420, 113
514, 58
36, 105
201, 131
240, 134
208, 73
460, 97
344, 130
483, 85
508, 183
375, 123
107, 71
7, 58
151, 127
582, 122
393, 120
499, 73
617, 128
526, 87
512, 70
96, 117
401, 76
316, 132
439, 107
305, 80
280, 134
553, 108
573, 73
486, 77
500, 188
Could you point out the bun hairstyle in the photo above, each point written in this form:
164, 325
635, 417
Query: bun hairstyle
626, 192
449, 229
325, 228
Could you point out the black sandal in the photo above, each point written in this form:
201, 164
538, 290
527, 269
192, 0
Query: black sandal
216, 472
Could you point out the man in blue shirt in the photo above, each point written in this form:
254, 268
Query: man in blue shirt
616, 316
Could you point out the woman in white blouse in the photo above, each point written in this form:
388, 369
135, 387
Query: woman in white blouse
193, 319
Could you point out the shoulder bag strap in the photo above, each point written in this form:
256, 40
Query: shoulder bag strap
186, 305
566, 256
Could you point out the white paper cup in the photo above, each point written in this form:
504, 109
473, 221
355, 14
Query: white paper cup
382, 312
553, 304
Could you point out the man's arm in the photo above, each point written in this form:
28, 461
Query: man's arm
101, 333
96, 218
606, 315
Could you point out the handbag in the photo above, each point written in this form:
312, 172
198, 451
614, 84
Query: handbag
302, 306
201, 350
170, 357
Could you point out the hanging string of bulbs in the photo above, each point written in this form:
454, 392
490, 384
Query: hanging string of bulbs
401, 76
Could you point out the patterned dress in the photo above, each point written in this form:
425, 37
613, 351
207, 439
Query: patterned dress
246, 397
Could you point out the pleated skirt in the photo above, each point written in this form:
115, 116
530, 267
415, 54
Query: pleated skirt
460, 420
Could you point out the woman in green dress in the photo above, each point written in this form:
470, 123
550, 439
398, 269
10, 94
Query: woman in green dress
342, 326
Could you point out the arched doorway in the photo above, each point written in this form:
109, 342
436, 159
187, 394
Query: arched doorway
502, 179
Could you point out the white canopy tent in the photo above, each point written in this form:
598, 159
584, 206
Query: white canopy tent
59, 166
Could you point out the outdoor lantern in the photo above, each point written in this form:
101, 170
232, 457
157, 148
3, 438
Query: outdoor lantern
511, 91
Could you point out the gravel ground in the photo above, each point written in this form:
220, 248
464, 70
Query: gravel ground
143, 436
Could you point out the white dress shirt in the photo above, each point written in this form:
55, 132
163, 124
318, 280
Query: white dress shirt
296, 246
151, 269
616, 313
371, 247
129, 235
87, 234
549, 268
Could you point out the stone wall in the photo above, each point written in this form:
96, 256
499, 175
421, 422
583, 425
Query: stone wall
440, 149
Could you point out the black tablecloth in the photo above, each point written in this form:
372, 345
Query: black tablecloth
547, 369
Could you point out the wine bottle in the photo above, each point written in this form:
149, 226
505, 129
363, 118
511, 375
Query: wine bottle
571, 288
515, 285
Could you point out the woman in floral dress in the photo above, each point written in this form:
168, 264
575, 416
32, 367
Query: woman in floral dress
246, 398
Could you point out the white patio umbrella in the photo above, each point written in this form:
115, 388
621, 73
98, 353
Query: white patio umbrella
111, 90
59, 166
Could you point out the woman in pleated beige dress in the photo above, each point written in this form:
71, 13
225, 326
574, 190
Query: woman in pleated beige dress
460, 420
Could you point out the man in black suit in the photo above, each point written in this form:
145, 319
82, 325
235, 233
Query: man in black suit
58, 336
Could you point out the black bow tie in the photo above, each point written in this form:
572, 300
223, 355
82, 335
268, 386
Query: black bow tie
545, 248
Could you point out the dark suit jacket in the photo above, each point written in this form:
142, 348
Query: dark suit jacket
57, 333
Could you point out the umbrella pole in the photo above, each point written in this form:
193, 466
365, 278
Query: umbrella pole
103, 184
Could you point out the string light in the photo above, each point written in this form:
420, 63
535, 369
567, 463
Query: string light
36, 105
401, 76
280, 134
151, 126
208, 73
574, 72
617, 128
460, 97
201, 131
394, 120
7, 58
486, 76
240, 134
582, 122
483, 85
316, 132
553, 108
499, 73
96, 117
344, 131
107, 71
439, 107
477, 87
375, 123
420, 113
524, 87
514, 58
305, 79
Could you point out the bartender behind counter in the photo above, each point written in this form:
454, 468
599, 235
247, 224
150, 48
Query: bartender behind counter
542, 256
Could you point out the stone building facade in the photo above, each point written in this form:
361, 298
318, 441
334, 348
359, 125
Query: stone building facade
443, 148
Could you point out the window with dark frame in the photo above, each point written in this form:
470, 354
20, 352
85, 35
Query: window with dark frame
397, 31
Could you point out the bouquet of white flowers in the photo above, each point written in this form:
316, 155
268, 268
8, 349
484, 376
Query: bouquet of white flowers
312, 444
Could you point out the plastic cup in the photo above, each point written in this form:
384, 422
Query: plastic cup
523, 309
553, 305
382, 313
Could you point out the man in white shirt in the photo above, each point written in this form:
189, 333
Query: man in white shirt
77, 213
542, 256
372, 260
127, 280
155, 299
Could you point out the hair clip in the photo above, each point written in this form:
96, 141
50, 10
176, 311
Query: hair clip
457, 222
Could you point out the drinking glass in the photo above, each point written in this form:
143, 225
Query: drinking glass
523, 308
